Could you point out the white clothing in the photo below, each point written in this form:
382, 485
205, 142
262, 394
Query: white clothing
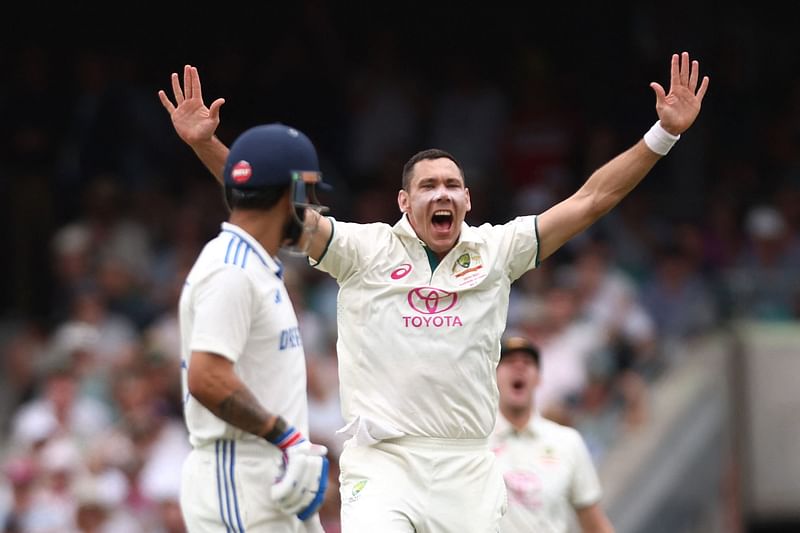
234, 304
548, 473
36, 420
421, 485
226, 487
418, 348
565, 357
615, 305
160, 476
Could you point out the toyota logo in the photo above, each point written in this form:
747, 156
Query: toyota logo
430, 300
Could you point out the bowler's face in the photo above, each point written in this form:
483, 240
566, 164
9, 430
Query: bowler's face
517, 378
436, 203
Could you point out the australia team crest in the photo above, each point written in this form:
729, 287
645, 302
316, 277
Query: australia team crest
468, 269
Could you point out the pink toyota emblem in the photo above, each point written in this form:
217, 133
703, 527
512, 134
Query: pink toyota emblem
430, 300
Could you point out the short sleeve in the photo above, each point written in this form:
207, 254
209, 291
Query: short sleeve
223, 309
349, 247
523, 245
585, 489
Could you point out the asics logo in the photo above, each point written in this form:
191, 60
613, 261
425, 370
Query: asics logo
401, 271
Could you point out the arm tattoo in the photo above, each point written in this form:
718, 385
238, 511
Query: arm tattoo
277, 430
243, 410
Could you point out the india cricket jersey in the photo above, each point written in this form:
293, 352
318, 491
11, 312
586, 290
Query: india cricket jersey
234, 304
418, 346
548, 473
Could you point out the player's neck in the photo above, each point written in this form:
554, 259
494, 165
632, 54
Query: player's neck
263, 226
518, 417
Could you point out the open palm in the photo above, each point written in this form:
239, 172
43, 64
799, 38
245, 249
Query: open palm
192, 120
678, 109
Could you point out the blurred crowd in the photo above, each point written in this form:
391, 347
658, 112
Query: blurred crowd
105, 211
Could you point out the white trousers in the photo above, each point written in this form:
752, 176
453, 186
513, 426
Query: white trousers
422, 485
225, 489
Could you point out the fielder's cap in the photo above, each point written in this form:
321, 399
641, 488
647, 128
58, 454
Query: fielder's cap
270, 155
519, 344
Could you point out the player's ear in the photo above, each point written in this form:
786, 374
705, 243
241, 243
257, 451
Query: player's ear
402, 200
469, 200
537, 380
227, 198
287, 199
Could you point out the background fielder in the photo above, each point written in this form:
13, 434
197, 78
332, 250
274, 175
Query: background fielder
546, 466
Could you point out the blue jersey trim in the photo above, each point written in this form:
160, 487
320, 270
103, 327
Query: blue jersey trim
233, 487
219, 489
247, 250
238, 249
227, 482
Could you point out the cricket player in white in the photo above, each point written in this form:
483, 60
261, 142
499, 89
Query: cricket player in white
547, 468
244, 379
421, 310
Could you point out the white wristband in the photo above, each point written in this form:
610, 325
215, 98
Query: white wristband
660, 140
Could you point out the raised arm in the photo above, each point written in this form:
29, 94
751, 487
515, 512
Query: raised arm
609, 184
319, 237
195, 123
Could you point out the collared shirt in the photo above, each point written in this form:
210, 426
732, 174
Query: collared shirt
548, 473
418, 347
234, 304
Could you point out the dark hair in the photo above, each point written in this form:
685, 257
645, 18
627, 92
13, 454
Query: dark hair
516, 343
263, 198
430, 153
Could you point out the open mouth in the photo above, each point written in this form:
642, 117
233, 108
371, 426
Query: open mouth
518, 384
442, 220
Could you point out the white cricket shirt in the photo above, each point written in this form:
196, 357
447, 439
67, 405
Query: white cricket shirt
234, 304
418, 349
548, 473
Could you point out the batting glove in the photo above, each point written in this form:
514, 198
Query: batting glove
301, 487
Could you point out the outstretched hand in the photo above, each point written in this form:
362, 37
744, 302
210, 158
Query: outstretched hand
192, 120
678, 109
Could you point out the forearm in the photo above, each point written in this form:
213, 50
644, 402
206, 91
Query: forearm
214, 384
609, 184
240, 408
316, 240
604, 189
212, 154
